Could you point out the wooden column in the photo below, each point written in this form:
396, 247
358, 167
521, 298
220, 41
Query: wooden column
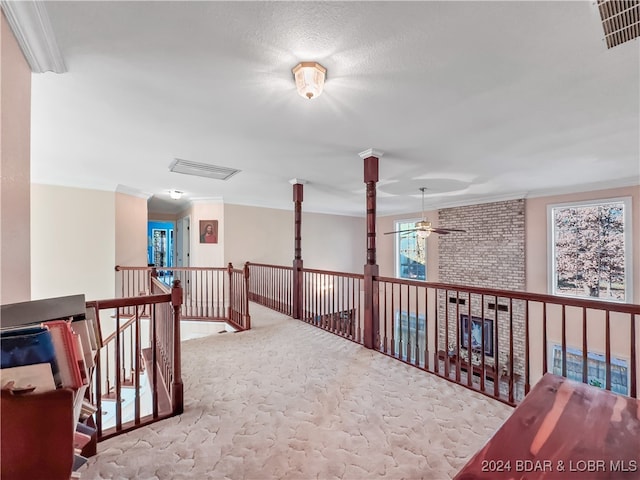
177, 393
298, 187
371, 332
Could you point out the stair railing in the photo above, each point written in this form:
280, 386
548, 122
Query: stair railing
137, 378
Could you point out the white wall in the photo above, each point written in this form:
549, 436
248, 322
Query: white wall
207, 254
258, 235
332, 242
72, 242
266, 235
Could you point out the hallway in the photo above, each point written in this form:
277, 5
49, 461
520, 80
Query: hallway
287, 400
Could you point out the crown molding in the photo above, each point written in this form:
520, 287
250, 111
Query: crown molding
134, 192
207, 200
587, 187
32, 28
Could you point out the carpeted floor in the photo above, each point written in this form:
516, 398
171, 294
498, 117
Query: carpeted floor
289, 401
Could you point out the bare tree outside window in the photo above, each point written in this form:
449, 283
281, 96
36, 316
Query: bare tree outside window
589, 251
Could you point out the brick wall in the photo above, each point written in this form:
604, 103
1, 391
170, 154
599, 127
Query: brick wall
491, 254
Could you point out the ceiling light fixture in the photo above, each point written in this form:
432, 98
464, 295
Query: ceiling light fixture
309, 77
175, 194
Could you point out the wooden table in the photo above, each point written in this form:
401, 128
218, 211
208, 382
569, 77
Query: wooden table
563, 430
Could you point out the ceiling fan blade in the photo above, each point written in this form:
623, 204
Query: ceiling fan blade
446, 230
400, 231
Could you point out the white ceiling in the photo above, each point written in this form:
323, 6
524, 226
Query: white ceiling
477, 101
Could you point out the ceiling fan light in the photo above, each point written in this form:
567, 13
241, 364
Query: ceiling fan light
423, 233
309, 77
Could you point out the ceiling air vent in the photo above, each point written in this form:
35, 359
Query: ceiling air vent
620, 19
202, 169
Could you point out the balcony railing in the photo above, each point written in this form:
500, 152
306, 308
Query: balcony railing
496, 342
271, 286
333, 301
210, 293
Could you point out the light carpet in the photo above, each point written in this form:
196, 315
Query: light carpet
287, 400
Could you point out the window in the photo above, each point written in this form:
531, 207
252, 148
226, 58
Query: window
596, 369
404, 335
590, 250
410, 253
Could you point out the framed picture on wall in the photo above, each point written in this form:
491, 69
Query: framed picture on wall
208, 231
476, 334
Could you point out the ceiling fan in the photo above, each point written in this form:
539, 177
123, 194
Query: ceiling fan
423, 228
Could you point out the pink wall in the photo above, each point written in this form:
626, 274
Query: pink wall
537, 235
15, 131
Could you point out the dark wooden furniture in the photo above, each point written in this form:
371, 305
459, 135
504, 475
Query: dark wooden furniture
37, 435
563, 430
37, 430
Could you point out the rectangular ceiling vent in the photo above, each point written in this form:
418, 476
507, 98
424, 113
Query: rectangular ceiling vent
202, 169
620, 19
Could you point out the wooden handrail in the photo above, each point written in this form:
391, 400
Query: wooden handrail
517, 295
283, 267
331, 272
131, 301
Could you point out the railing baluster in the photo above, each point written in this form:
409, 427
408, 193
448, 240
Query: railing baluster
511, 357
527, 367
436, 340
457, 331
608, 350
545, 368
416, 355
393, 320
136, 373
633, 360
482, 342
385, 343
426, 329
564, 341
470, 344
585, 348
496, 348
117, 371
154, 362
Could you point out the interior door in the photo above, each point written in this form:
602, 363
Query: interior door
182, 241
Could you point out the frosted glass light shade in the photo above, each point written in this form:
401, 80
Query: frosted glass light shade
309, 78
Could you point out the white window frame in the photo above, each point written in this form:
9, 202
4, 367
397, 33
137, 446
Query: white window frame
396, 250
628, 229
592, 356
406, 321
